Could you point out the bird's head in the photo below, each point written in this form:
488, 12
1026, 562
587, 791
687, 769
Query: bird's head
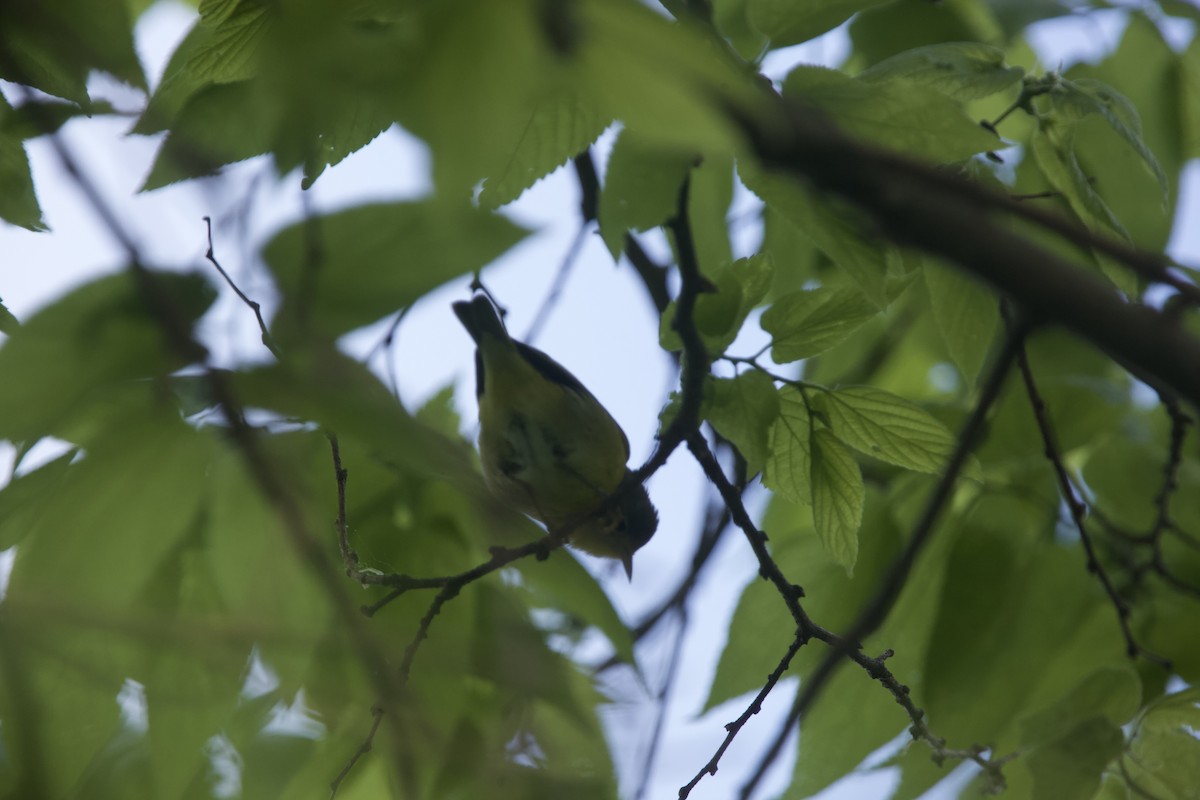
619, 527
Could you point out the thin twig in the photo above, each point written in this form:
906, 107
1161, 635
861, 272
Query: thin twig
254, 306
734, 728
663, 700
695, 354
364, 747
560, 281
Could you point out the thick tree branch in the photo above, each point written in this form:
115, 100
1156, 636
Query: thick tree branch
922, 206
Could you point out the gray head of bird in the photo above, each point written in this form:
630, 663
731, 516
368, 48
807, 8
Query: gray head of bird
620, 527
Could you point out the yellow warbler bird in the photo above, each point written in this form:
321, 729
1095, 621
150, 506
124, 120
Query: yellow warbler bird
549, 448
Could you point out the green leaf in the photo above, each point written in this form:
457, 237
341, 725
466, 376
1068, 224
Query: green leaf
1080, 98
831, 227
8, 323
1145, 70
993, 617
732, 19
743, 410
710, 191
68, 359
788, 467
962, 70
376, 258
1070, 768
805, 323
966, 313
1060, 165
641, 188
719, 315
26, 497
562, 583
440, 413
1189, 99
897, 113
222, 47
664, 80
1164, 756
789, 22
133, 498
220, 124
1112, 693
18, 201
53, 46
838, 495
559, 129
889, 428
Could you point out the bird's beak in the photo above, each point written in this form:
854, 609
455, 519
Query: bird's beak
627, 560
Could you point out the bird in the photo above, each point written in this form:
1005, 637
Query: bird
549, 448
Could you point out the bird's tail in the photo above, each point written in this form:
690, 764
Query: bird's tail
480, 318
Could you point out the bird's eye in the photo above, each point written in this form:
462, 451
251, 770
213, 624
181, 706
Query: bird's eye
621, 525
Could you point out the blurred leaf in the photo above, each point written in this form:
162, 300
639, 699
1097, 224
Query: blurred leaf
710, 192
62, 363
966, 313
53, 46
347, 269
671, 83
732, 18
806, 323
1189, 99
837, 492
788, 469
26, 497
1070, 767
889, 29
962, 70
440, 413
743, 410
562, 583
889, 428
8, 323
831, 227
559, 129
641, 188
896, 113
1112, 693
18, 201
788, 22
220, 124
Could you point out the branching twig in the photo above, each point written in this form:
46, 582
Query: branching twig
1078, 510
791, 594
875, 612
